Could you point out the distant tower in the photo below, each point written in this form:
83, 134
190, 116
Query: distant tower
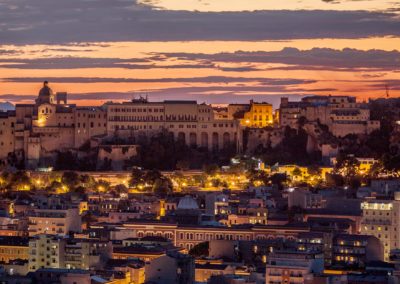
61, 98
387, 90
46, 95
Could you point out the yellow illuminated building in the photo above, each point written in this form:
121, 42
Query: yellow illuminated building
12, 248
258, 116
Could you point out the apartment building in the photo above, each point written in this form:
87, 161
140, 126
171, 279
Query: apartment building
356, 250
57, 221
380, 218
12, 248
46, 251
54, 251
293, 267
305, 199
86, 253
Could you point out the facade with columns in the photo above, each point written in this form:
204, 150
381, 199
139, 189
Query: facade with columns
33, 133
187, 236
193, 123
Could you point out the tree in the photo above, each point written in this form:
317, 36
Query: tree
152, 175
121, 188
278, 180
334, 180
258, 177
211, 169
54, 187
376, 169
348, 167
162, 186
102, 186
296, 172
314, 170
80, 190
137, 177
87, 181
70, 179
21, 181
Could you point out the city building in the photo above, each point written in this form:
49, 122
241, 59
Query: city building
192, 123
13, 248
253, 115
342, 114
380, 218
355, 251
304, 199
46, 251
86, 253
172, 268
59, 221
293, 267
188, 236
33, 133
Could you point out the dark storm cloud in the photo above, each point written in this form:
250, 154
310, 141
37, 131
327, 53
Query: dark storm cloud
208, 79
49, 21
316, 58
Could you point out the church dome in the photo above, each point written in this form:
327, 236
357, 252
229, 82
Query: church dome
46, 90
45, 95
187, 202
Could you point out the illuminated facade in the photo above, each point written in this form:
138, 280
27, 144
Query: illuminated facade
189, 122
34, 132
259, 115
381, 219
253, 115
13, 247
356, 250
187, 237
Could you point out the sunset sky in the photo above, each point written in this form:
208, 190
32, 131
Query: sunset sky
214, 51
